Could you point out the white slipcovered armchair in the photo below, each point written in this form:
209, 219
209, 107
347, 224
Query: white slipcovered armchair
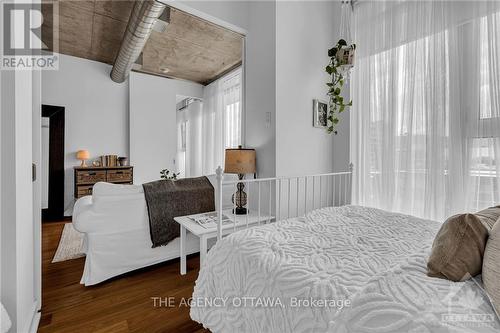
5, 322
116, 227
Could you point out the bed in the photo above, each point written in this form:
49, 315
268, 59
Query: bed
338, 269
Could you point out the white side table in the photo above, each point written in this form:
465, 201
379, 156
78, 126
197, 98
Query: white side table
204, 234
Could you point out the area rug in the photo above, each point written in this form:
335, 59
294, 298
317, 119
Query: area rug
70, 245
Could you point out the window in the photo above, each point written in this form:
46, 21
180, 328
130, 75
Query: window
426, 120
484, 134
207, 128
233, 110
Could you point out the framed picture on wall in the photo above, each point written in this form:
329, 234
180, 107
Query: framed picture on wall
320, 113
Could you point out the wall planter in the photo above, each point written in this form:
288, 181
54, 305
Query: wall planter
341, 61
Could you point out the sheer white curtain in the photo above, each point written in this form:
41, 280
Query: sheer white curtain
212, 127
189, 127
425, 115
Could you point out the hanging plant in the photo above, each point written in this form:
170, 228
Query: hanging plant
341, 61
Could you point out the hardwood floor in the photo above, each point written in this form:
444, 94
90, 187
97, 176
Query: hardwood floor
120, 305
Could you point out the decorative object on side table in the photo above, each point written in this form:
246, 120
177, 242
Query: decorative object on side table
240, 161
320, 114
122, 161
166, 175
83, 155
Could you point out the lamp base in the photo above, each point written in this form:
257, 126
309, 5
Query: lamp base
240, 211
239, 198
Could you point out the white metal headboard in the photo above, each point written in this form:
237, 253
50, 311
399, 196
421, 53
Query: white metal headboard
302, 194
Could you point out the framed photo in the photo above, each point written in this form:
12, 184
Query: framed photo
320, 113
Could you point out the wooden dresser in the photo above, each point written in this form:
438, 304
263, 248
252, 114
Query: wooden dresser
86, 177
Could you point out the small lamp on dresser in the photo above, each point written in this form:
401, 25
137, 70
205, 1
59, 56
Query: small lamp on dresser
83, 155
240, 161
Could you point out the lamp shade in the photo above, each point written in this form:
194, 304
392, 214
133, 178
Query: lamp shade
240, 161
82, 155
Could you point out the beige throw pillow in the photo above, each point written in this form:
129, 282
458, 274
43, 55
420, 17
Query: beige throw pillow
489, 216
458, 249
491, 266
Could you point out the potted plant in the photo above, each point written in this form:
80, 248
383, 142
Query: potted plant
341, 61
166, 175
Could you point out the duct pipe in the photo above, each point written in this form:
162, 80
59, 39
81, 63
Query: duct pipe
139, 27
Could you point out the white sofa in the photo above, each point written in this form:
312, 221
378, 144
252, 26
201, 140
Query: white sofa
116, 227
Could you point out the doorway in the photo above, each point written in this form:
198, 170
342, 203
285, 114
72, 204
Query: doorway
52, 170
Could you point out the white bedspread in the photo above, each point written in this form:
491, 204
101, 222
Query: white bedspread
405, 299
331, 254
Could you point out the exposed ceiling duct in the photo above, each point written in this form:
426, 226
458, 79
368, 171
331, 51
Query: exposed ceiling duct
142, 21
163, 21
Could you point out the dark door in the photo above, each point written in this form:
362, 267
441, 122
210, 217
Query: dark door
55, 209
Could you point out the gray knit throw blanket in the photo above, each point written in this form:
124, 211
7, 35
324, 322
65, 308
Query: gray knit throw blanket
167, 199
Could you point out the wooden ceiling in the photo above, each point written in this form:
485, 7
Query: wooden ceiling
190, 48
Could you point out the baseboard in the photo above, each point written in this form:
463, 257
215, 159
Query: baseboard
35, 322
35, 319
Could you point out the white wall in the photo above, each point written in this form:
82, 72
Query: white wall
305, 31
137, 121
260, 85
153, 123
96, 112
285, 54
258, 19
18, 280
8, 230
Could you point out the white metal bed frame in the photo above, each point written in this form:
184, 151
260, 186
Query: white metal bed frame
338, 189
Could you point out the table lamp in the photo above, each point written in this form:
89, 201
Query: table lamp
83, 155
240, 161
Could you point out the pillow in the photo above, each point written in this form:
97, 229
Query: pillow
107, 196
491, 266
458, 249
102, 189
489, 216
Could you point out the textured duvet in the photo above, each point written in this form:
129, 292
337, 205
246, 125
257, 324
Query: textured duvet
342, 269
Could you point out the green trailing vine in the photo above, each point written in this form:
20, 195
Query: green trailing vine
339, 64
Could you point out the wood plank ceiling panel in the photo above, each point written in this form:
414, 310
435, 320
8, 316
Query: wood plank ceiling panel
75, 32
116, 9
107, 35
198, 64
190, 48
